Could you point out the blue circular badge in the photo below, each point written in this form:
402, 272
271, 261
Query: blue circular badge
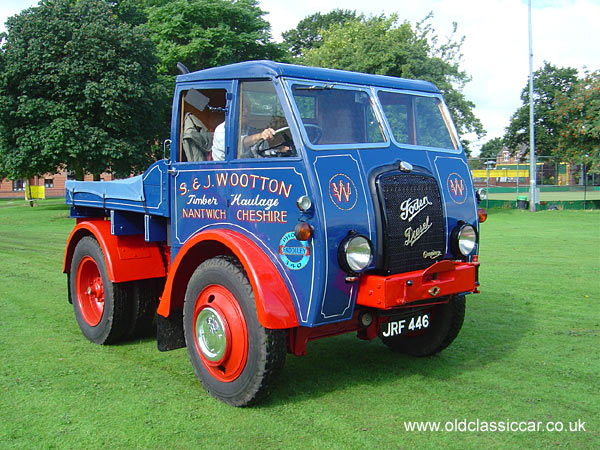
294, 253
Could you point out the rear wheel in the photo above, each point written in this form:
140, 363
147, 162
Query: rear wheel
446, 321
100, 306
233, 355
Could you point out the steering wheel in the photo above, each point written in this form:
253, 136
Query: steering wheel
276, 150
315, 134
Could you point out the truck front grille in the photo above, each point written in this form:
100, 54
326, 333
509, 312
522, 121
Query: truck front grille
412, 221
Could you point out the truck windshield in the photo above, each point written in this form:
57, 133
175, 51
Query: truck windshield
418, 120
334, 115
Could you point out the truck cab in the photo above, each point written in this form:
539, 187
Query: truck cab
296, 203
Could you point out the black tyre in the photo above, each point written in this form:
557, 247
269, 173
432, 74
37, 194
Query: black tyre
446, 322
101, 307
143, 295
233, 355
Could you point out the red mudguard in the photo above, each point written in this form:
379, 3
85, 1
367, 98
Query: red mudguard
274, 305
127, 258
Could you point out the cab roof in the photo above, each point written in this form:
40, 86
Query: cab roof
272, 70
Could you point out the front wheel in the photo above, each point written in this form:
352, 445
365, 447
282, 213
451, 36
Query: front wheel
446, 322
233, 355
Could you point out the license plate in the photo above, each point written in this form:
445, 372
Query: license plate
396, 327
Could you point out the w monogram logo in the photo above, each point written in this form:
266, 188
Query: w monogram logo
342, 191
457, 188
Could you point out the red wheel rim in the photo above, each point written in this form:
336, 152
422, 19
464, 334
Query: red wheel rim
90, 291
220, 333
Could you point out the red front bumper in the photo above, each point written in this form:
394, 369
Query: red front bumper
440, 279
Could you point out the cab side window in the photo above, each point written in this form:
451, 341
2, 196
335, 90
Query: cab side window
202, 114
264, 131
418, 120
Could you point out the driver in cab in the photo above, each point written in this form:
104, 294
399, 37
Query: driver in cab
255, 144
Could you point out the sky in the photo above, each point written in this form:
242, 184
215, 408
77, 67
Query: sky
565, 33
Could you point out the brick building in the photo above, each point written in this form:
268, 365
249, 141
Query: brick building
505, 156
54, 184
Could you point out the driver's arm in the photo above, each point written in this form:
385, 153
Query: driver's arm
265, 135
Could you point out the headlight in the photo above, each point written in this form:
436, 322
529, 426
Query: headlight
303, 203
355, 253
464, 240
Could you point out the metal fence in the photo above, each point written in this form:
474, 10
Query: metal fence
558, 184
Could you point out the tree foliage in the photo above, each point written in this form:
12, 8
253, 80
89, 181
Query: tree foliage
384, 46
208, 33
308, 33
548, 83
579, 112
77, 88
490, 149
132, 12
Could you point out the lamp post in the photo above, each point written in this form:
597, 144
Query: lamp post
487, 181
584, 175
532, 174
517, 159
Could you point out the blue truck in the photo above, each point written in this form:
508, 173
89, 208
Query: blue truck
296, 203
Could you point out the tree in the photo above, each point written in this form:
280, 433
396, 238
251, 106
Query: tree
77, 89
132, 12
381, 45
308, 33
548, 82
208, 33
579, 112
490, 149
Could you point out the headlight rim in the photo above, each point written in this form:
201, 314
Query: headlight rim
343, 252
456, 234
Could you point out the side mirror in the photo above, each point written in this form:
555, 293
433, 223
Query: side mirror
166, 143
481, 194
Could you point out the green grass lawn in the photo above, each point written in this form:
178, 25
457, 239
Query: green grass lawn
528, 351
